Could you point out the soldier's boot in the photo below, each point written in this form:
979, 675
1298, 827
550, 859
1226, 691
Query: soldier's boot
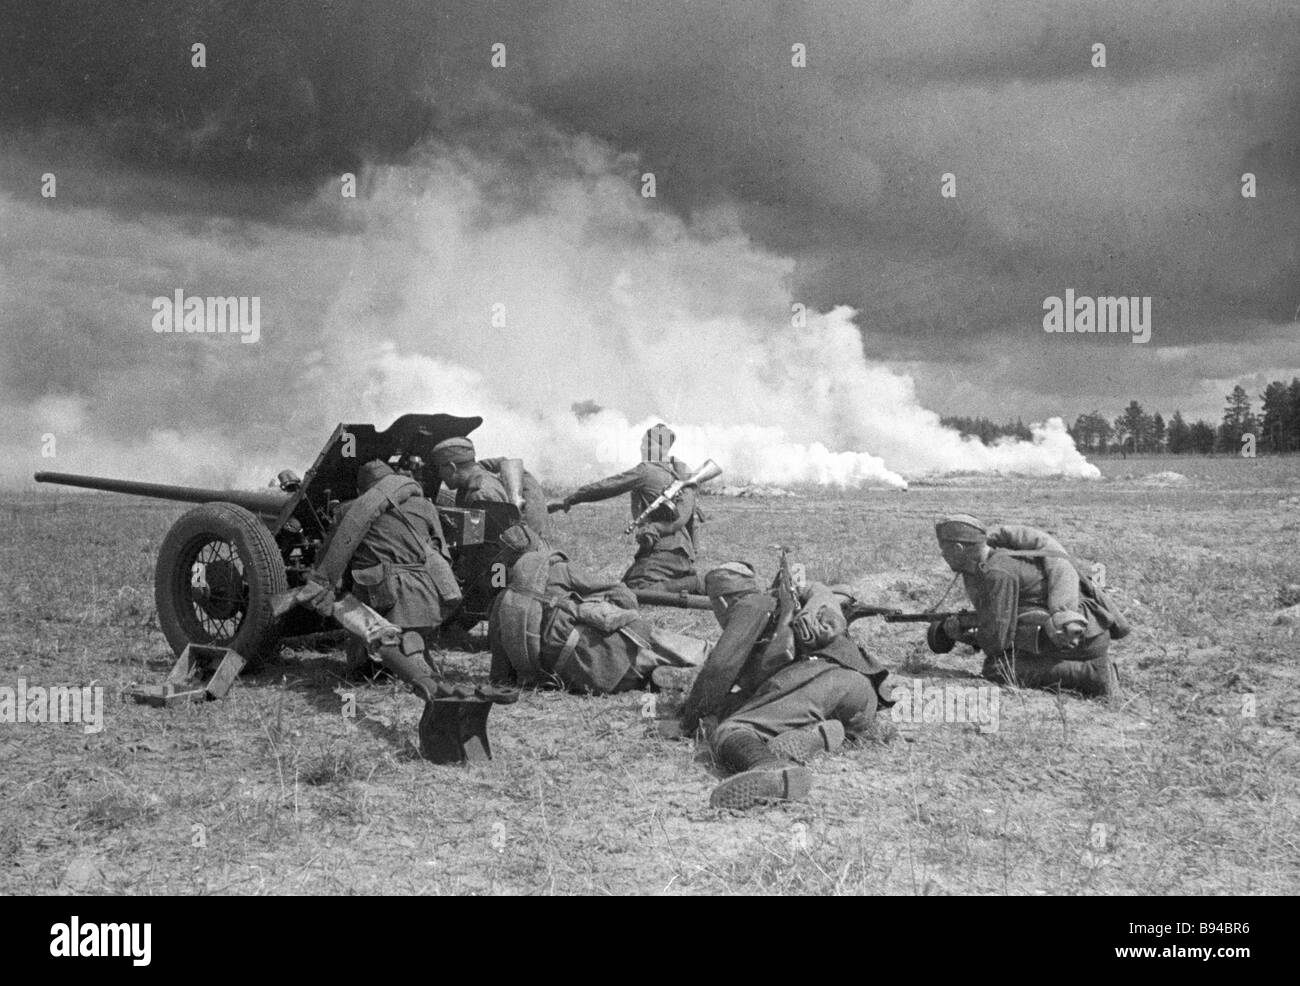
809, 741
453, 728
687, 583
760, 774
1095, 678
406, 660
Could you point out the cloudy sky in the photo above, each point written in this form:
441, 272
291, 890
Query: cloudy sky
775, 185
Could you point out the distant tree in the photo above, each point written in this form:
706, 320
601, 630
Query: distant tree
1273, 435
1157, 433
1132, 427
1292, 426
1091, 432
1201, 437
1237, 420
1104, 432
1180, 437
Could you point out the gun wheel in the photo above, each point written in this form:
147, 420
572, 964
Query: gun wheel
218, 570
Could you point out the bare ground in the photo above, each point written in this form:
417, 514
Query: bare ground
1189, 786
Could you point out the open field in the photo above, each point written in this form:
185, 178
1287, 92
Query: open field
1189, 786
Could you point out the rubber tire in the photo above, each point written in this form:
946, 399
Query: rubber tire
258, 634
938, 641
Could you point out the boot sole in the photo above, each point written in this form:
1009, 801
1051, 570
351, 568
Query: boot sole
801, 744
755, 787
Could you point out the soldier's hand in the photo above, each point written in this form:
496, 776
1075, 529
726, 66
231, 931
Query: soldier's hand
318, 596
646, 540
952, 627
1066, 629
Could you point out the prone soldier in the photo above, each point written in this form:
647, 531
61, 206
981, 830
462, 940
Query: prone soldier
665, 557
1038, 619
553, 620
784, 681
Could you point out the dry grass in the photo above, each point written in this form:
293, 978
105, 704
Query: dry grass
274, 790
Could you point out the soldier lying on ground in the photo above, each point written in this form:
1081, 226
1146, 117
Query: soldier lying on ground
784, 681
665, 557
1040, 622
553, 621
481, 481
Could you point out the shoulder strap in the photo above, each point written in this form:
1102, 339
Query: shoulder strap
360, 517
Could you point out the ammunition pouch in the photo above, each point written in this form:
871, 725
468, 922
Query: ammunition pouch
374, 587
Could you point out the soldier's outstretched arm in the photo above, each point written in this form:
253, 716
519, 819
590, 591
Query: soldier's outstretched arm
605, 489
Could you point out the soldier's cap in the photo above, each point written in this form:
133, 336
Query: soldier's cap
961, 527
656, 443
452, 452
371, 473
730, 579
519, 539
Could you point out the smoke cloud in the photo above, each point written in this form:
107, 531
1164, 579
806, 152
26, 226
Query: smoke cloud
454, 285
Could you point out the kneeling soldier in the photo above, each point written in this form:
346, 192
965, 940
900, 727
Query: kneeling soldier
1040, 622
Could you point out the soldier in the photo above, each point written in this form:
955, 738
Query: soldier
1040, 622
784, 698
483, 481
665, 557
553, 620
389, 543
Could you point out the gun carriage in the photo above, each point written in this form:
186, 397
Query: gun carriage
222, 563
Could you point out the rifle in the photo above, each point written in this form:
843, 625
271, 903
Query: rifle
709, 470
935, 636
896, 616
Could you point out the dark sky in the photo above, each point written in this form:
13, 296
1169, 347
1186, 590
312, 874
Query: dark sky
1123, 179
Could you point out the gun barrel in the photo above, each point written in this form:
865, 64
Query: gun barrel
267, 502
679, 600
918, 617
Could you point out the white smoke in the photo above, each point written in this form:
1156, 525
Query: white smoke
606, 298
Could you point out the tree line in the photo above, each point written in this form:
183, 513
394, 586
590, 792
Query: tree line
1275, 429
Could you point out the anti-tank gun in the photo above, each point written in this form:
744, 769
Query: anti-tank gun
222, 563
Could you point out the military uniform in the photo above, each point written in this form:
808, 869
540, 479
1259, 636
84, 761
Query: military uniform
793, 694
400, 568
478, 482
665, 555
1020, 592
485, 486
553, 621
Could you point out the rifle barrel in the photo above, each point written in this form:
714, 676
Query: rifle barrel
917, 617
